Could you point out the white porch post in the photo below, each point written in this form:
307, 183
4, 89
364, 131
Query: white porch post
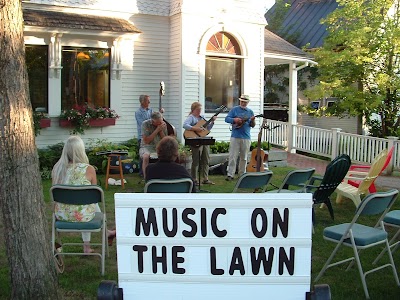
292, 107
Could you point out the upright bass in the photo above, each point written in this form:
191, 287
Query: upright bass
170, 128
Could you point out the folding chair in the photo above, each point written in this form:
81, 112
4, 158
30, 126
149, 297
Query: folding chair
181, 185
359, 236
253, 180
79, 195
297, 178
391, 219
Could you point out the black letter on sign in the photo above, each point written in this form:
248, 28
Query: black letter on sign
259, 233
203, 219
151, 222
177, 260
283, 224
214, 216
283, 259
159, 259
256, 260
236, 256
140, 249
189, 222
213, 260
172, 232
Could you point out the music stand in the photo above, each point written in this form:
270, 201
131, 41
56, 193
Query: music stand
197, 142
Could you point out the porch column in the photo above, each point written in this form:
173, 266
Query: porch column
292, 107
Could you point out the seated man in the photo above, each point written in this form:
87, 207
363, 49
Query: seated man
153, 130
166, 167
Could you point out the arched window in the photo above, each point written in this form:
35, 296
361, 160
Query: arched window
223, 71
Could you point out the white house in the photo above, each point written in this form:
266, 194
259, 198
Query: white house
108, 53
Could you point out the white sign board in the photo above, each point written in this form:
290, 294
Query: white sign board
214, 246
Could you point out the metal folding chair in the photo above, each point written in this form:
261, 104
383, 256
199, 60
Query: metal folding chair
296, 178
79, 195
359, 236
181, 185
257, 181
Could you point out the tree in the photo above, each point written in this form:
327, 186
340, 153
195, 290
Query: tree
32, 270
359, 63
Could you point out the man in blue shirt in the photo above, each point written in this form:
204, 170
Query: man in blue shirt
242, 119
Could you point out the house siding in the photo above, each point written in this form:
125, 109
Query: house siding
171, 48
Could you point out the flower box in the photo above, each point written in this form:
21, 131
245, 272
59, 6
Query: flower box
101, 122
45, 123
65, 123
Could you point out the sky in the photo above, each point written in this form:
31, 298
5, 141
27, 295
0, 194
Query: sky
269, 3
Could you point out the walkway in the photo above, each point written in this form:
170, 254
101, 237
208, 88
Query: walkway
301, 161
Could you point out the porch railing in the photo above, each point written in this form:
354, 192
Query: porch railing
331, 143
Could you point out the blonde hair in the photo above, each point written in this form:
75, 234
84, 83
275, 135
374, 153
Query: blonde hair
73, 153
195, 105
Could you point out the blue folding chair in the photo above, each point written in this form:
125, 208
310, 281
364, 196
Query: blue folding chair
181, 185
359, 236
297, 179
257, 181
79, 195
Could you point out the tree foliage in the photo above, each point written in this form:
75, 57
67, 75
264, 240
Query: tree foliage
360, 60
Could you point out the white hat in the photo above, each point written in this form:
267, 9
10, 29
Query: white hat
244, 98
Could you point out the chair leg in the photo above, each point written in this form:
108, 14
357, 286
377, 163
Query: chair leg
391, 243
327, 263
330, 208
396, 277
360, 269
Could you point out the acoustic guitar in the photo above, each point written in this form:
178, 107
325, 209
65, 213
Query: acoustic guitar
202, 124
258, 156
170, 128
244, 120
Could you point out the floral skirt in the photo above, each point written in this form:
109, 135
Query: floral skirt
74, 213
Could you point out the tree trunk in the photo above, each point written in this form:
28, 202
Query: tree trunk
27, 239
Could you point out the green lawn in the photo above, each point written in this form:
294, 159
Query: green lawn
82, 274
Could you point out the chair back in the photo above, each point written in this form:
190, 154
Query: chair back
376, 168
253, 180
377, 203
297, 178
77, 194
334, 174
181, 185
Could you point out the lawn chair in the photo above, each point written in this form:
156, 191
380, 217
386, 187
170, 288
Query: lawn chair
334, 174
182, 185
79, 195
363, 169
253, 180
296, 178
346, 190
360, 237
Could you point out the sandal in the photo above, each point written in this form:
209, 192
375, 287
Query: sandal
111, 238
207, 181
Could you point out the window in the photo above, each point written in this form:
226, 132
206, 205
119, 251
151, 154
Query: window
222, 74
85, 77
37, 66
315, 104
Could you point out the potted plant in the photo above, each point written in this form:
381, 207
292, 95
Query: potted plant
40, 120
81, 117
185, 156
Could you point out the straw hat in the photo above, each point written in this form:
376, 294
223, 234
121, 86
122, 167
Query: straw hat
244, 98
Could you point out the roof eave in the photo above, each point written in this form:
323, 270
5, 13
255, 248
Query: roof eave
85, 32
271, 58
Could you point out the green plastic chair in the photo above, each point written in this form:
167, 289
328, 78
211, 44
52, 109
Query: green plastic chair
181, 185
79, 195
359, 236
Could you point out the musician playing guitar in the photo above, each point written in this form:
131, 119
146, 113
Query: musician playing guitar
243, 117
200, 154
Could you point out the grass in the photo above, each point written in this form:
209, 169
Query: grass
82, 274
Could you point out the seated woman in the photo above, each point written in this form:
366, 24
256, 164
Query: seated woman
73, 169
166, 167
